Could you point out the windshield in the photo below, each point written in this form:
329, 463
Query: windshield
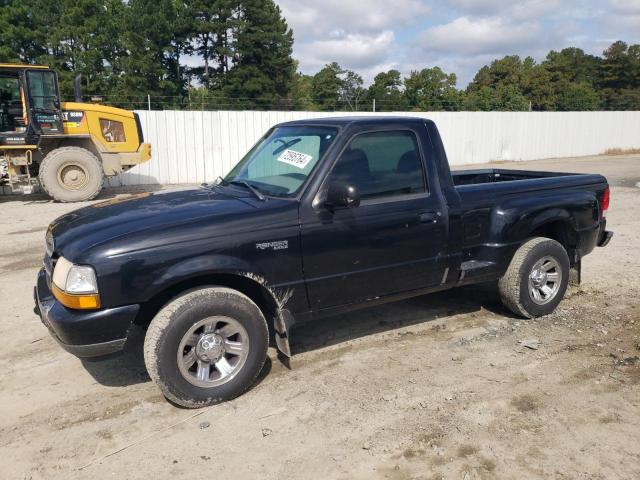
282, 160
43, 90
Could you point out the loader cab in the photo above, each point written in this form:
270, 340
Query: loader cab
29, 104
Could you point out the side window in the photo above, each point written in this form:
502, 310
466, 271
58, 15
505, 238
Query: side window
112, 130
382, 164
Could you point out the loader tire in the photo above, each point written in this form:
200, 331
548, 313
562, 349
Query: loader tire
71, 174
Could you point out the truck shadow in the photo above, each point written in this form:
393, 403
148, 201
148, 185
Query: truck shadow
127, 368
390, 316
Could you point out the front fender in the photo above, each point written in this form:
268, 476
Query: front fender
202, 266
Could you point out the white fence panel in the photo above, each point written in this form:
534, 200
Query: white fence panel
193, 146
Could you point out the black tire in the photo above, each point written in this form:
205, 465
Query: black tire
515, 289
71, 174
171, 326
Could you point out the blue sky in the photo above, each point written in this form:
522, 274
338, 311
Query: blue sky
460, 36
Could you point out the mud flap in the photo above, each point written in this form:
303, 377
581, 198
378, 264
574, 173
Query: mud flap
575, 273
282, 325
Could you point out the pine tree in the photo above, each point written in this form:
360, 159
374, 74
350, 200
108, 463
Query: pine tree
22, 29
262, 68
149, 41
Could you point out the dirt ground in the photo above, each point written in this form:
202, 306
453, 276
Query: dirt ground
433, 387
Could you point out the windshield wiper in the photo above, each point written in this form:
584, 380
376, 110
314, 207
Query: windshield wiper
250, 187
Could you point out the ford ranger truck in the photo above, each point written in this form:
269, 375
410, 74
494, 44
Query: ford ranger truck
320, 217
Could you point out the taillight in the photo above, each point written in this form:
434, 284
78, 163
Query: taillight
605, 202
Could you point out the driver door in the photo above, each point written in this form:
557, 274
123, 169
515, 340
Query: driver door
44, 101
391, 242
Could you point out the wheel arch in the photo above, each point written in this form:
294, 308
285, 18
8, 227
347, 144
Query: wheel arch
557, 215
47, 144
561, 230
269, 300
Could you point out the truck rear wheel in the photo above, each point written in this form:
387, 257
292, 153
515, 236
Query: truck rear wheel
537, 278
206, 346
71, 174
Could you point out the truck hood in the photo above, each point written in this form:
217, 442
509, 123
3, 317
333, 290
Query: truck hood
148, 216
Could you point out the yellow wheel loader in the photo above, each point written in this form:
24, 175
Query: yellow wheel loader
66, 147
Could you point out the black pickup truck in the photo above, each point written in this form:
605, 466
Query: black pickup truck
320, 217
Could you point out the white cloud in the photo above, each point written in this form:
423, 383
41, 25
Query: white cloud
310, 18
622, 22
353, 51
475, 36
626, 6
460, 36
508, 8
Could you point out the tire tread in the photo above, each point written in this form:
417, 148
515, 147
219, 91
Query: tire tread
157, 329
510, 283
47, 161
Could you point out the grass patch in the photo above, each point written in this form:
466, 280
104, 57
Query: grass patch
621, 151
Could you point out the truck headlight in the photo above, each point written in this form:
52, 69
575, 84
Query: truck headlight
75, 286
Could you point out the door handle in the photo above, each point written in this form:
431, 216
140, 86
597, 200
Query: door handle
428, 217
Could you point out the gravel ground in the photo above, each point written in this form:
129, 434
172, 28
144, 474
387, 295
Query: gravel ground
438, 386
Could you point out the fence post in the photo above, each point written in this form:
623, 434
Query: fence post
374, 105
149, 102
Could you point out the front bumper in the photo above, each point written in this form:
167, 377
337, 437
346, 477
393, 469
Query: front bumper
84, 333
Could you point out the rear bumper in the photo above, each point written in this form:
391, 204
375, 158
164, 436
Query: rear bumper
84, 333
604, 238
126, 160
144, 150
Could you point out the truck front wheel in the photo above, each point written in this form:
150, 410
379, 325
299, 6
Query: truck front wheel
206, 346
536, 280
71, 174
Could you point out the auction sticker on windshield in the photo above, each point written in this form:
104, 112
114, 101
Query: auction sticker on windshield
297, 159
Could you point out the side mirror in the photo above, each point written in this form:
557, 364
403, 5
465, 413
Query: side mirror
341, 195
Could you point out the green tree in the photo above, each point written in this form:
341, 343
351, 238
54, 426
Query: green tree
351, 91
572, 65
84, 39
263, 69
483, 99
615, 66
511, 99
431, 89
301, 95
386, 91
578, 96
148, 65
537, 86
212, 20
22, 28
326, 85
619, 80
508, 70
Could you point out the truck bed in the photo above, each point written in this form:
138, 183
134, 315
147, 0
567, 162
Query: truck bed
494, 175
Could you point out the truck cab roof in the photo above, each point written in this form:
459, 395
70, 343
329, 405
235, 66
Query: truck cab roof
360, 120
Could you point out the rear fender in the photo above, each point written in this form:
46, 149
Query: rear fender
514, 220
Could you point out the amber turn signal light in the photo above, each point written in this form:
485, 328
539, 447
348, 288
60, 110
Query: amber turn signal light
78, 302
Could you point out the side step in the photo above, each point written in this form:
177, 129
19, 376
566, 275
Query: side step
474, 268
